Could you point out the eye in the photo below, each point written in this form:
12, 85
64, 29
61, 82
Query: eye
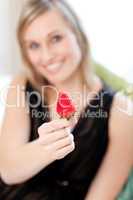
57, 38
34, 46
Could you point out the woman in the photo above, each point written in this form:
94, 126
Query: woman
41, 156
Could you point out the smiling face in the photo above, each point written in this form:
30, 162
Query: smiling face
52, 48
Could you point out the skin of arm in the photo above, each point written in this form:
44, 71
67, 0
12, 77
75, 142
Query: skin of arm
118, 160
20, 159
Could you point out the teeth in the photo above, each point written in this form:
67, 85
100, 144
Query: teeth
53, 66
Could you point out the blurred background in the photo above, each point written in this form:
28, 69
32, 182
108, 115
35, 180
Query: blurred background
108, 24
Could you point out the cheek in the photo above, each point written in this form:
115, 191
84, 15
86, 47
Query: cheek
71, 50
33, 58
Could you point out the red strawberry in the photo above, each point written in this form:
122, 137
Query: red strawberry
65, 108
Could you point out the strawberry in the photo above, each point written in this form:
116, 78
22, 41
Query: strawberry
65, 107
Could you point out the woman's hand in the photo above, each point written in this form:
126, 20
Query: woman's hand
56, 137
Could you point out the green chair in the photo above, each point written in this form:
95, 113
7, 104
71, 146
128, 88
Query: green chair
127, 191
113, 80
118, 84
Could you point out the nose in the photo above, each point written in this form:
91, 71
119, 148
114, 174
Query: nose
47, 55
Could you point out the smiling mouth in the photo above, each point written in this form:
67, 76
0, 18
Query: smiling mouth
54, 68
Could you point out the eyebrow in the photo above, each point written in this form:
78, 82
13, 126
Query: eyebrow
49, 34
55, 31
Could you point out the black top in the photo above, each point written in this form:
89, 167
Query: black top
70, 177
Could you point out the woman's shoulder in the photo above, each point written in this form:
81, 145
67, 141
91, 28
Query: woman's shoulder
16, 88
19, 79
121, 119
121, 113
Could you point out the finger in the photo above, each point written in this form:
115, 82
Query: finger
73, 122
61, 153
63, 142
54, 136
53, 125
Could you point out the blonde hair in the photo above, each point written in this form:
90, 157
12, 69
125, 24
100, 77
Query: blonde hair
34, 8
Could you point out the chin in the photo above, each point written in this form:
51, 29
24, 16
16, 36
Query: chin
58, 79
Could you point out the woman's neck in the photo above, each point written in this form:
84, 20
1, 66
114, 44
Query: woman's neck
72, 86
